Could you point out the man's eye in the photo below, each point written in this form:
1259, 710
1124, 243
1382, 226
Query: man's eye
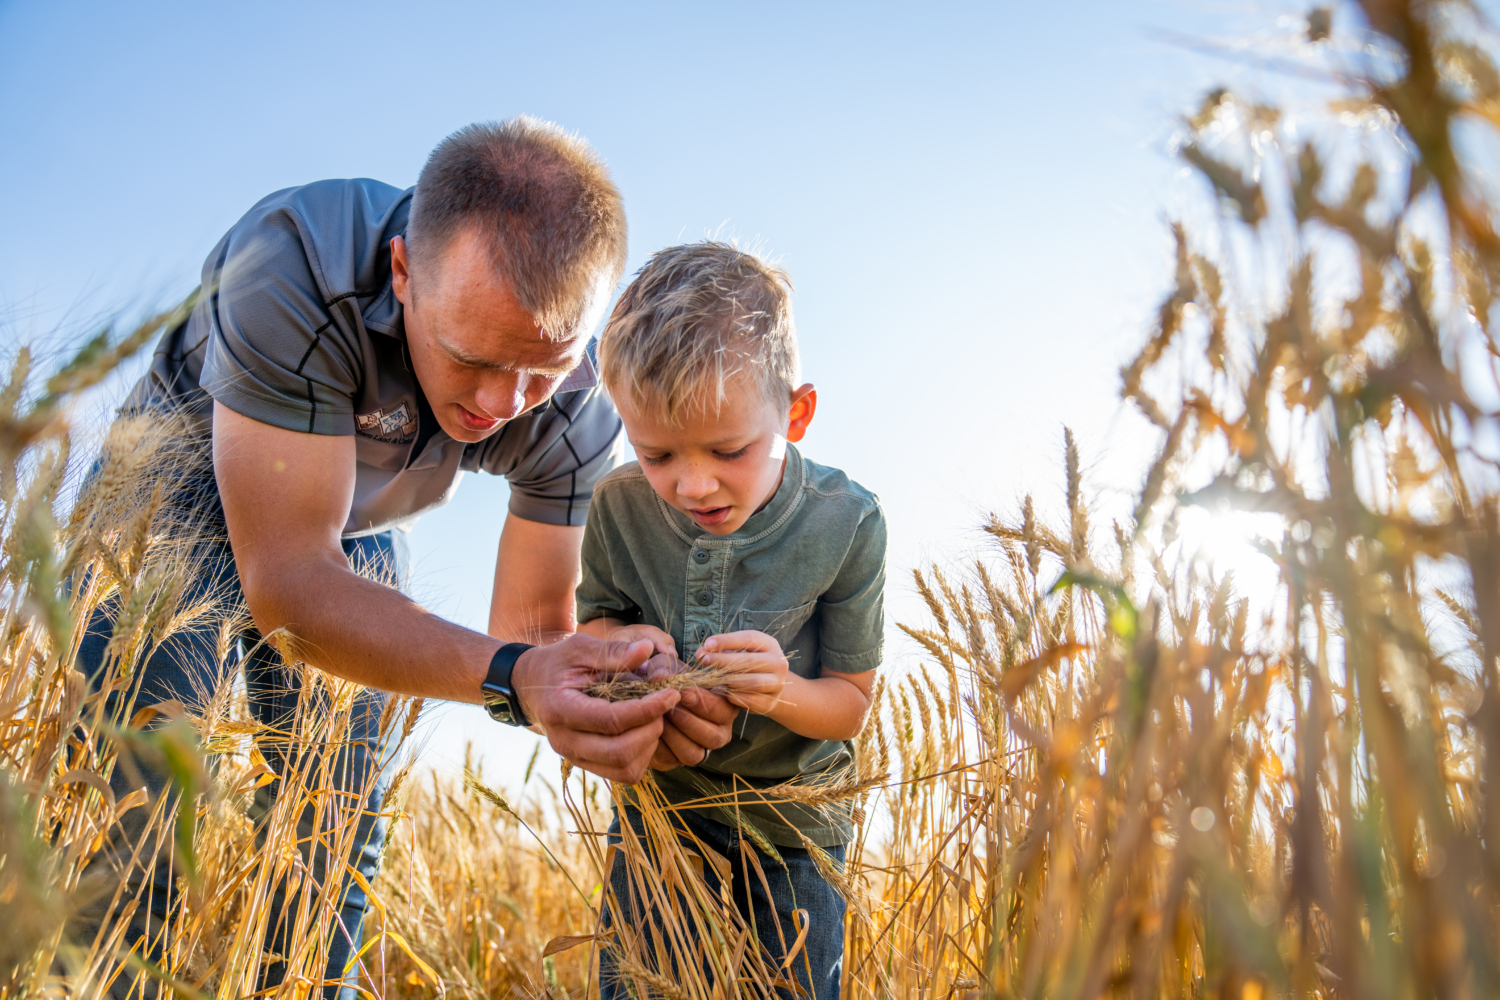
731, 455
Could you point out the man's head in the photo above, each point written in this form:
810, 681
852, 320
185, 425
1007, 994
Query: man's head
515, 241
700, 356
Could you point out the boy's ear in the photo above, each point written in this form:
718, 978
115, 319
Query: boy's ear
804, 405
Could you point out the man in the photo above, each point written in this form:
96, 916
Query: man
357, 348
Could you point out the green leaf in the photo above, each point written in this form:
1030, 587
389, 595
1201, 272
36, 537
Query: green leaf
1124, 620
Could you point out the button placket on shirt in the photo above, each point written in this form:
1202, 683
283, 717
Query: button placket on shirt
703, 595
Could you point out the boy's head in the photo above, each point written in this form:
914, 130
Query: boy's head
700, 356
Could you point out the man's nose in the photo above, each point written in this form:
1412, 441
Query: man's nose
502, 395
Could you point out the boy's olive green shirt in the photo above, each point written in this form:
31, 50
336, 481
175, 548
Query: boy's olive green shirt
808, 569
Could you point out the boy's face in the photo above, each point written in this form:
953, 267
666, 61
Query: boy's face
720, 468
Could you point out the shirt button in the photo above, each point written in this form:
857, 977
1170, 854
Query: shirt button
705, 597
701, 632
700, 556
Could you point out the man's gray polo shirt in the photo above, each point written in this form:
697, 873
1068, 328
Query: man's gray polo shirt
301, 330
807, 569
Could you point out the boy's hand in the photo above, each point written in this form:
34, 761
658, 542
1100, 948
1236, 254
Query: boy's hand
759, 666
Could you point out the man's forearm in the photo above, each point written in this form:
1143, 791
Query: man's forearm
396, 645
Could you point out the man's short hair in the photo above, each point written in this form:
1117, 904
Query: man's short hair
696, 318
543, 201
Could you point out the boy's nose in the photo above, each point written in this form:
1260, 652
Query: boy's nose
696, 487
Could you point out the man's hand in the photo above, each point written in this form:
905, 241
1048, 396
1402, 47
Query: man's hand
760, 668
615, 740
702, 723
661, 643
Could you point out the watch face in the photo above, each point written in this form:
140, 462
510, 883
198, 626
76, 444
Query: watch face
497, 702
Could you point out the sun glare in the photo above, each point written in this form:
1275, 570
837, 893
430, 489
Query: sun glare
1231, 541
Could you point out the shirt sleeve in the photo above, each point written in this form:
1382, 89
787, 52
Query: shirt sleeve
554, 460
852, 634
276, 351
597, 595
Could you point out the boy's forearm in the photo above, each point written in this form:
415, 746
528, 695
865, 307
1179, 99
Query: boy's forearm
825, 708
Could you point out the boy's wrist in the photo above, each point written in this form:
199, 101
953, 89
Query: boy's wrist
787, 702
808, 707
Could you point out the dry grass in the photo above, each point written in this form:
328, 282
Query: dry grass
1116, 774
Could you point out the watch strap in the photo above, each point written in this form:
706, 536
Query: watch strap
500, 698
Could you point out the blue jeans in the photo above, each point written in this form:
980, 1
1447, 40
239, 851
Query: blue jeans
795, 884
186, 667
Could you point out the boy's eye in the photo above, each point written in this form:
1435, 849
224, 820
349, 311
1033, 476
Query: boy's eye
656, 459
733, 454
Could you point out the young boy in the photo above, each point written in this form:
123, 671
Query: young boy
725, 546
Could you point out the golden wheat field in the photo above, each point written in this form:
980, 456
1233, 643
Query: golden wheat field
1114, 773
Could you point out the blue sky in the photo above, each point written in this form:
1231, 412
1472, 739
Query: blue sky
971, 198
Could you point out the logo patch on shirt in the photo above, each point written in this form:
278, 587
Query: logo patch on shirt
396, 427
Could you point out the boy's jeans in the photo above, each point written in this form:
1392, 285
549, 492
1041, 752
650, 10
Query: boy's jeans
185, 667
796, 884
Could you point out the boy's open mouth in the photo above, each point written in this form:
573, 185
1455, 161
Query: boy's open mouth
710, 515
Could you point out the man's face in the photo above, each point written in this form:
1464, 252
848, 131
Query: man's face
718, 468
477, 353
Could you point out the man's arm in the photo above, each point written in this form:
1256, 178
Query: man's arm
286, 496
536, 574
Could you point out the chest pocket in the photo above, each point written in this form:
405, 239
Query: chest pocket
782, 626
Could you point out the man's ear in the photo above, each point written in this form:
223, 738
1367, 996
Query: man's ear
400, 271
804, 405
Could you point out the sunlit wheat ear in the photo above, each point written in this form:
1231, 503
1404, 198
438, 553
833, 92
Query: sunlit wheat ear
1030, 537
906, 732
924, 712
862, 743
838, 788
837, 875
125, 450
882, 743
658, 984
14, 388
928, 679
1078, 548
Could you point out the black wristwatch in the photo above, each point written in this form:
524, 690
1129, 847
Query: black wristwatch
500, 698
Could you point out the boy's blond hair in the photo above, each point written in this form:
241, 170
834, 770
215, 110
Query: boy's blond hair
696, 318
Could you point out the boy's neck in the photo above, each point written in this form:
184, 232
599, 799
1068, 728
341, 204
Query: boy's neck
772, 495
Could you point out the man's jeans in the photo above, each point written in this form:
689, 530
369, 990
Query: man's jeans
186, 667
795, 884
